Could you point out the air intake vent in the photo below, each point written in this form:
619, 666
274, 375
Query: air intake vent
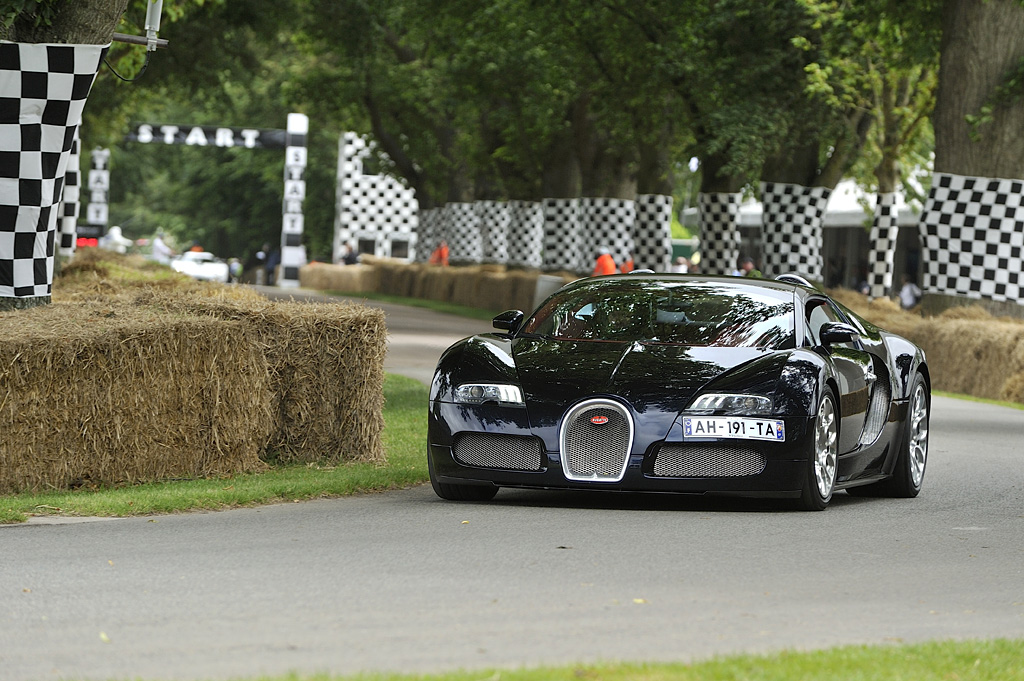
707, 461
878, 411
596, 438
488, 450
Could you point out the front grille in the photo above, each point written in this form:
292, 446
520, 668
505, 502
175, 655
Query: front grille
498, 451
710, 460
596, 451
878, 411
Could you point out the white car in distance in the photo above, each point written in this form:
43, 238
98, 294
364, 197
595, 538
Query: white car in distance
202, 265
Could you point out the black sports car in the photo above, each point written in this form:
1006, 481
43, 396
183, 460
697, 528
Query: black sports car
686, 384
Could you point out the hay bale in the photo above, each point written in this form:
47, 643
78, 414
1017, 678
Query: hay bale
344, 278
325, 363
111, 394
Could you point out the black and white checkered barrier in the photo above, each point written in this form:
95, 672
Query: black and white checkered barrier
462, 225
67, 228
719, 231
882, 254
526, 234
376, 209
652, 232
562, 235
429, 232
972, 234
607, 223
43, 89
494, 217
792, 224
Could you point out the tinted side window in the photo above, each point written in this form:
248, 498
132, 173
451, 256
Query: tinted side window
819, 313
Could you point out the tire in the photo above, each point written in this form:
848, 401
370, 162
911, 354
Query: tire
908, 474
452, 492
822, 464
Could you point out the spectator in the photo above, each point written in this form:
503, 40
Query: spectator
350, 257
440, 254
910, 294
747, 268
605, 264
162, 253
273, 260
628, 266
681, 265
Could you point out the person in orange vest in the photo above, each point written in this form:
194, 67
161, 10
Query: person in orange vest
605, 264
628, 266
440, 255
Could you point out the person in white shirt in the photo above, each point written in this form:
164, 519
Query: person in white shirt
910, 294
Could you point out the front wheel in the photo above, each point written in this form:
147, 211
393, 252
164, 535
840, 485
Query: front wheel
823, 463
453, 492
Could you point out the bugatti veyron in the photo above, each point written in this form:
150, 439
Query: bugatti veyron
684, 384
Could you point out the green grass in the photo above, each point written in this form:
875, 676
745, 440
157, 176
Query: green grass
405, 416
983, 400
435, 305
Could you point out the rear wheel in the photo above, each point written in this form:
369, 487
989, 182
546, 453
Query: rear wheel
823, 463
453, 492
908, 475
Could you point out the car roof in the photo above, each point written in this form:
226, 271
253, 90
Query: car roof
753, 283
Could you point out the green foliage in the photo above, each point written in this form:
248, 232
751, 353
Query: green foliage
35, 12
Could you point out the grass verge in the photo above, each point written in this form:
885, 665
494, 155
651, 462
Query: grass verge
405, 431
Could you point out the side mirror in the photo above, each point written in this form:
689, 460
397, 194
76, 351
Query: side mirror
508, 321
837, 332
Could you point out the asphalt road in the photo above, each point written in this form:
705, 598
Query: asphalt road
406, 582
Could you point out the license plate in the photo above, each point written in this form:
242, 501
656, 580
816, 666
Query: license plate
737, 428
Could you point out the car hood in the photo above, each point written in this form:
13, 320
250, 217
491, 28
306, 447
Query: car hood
650, 376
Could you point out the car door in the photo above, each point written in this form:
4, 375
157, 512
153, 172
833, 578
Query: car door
853, 367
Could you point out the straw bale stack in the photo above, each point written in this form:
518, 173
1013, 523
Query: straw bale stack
326, 374
109, 394
345, 278
136, 373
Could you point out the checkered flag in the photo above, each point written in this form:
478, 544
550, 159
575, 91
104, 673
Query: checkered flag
719, 232
494, 220
43, 89
791, 223
972, 232
463, 229
882, 256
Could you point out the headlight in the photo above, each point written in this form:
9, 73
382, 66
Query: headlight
746, 405
478, 393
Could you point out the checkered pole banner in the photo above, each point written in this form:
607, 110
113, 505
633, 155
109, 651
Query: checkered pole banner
882, 256
652, 232
376, 208
719, 231
43, 89
562, 235
97, 211
792, 221
293, 253
69, 205
494, 217
972, 231
526, 234
607, 223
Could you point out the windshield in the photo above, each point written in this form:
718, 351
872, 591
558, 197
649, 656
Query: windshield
677, 313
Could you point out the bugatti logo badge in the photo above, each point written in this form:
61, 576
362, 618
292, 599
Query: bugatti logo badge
599, 420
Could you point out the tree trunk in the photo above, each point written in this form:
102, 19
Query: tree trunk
982, 41
81, 22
